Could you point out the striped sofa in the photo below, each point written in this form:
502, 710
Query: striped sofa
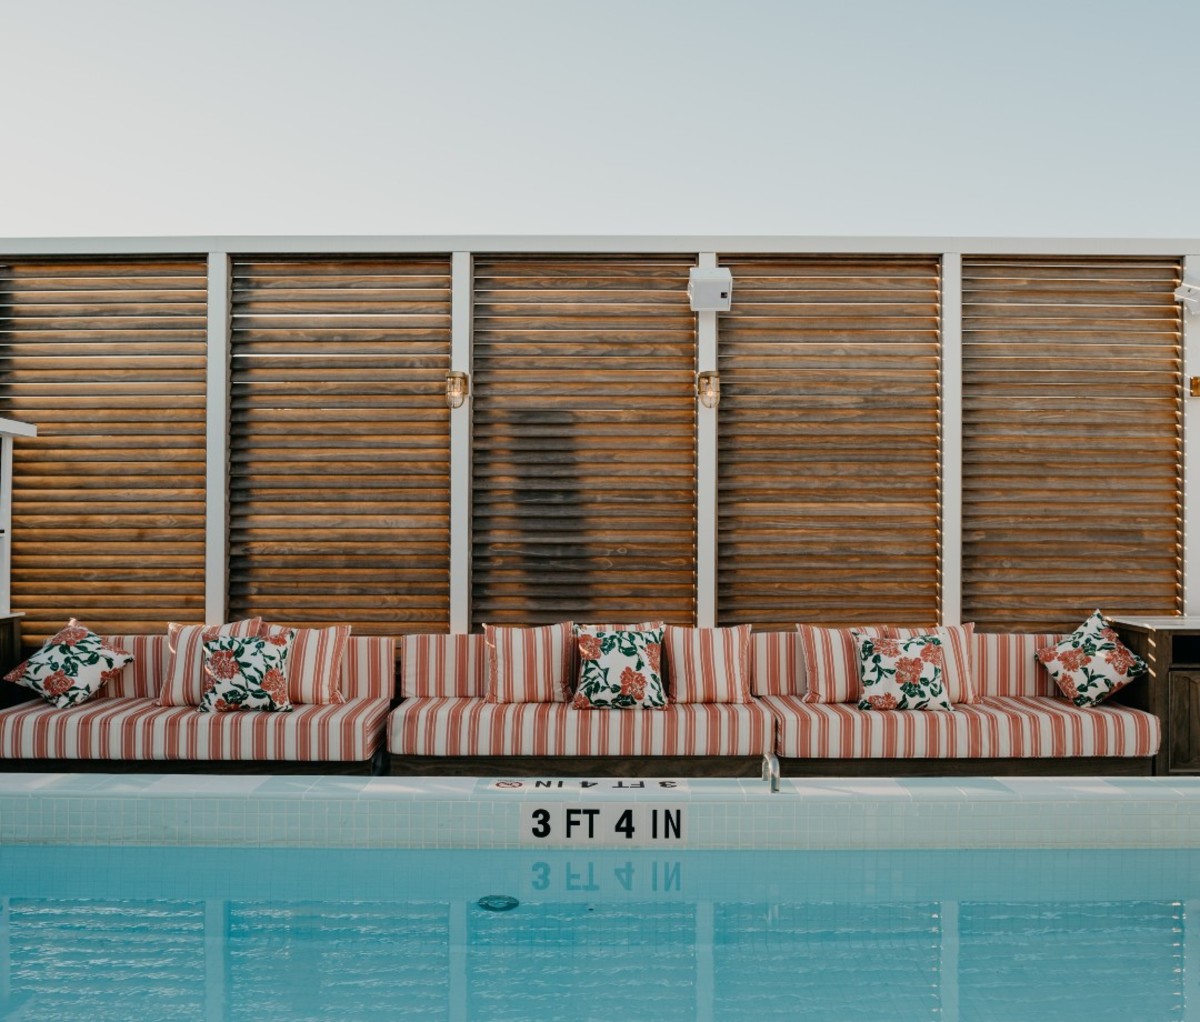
1021, 722
123, 723
444, 714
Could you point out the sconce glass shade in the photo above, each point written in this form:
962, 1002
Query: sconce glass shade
708, 388
458, 386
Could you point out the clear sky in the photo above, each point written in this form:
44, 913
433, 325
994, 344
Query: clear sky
841, 117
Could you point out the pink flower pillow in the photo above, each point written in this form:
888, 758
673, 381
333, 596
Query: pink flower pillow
71, 667
246, 673
1091, 663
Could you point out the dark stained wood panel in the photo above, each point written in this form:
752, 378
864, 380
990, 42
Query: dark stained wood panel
584, 477
1072, 391
829, 441
339, 500
107, 357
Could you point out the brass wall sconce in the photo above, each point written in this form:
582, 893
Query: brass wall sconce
458, 386
708, 387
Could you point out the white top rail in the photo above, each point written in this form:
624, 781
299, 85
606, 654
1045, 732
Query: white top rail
284, 244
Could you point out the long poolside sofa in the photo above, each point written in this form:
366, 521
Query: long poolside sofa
123, 724
443, 723
1021, 725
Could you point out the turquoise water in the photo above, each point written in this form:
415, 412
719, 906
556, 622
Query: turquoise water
296, 934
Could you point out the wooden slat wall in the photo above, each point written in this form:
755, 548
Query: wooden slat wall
1071, 440
340, 442
829, 442
584, 448
107, 358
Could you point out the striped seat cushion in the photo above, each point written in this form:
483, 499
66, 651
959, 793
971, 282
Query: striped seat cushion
996, 727
471, 726
137, 729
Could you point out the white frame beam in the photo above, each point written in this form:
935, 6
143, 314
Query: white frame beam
706, 467
767, 244
216, 492
951, 426
1191, 450
462, 295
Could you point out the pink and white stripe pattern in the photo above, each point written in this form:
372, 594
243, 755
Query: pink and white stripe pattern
137, 729
184, 683
314, 662
831, 660
124, 721
708, 665
997, 726
529, 665
776, 664
1007, 665
470, 726
142, 678
443, 665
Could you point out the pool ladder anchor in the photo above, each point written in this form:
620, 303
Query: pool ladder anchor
770, 769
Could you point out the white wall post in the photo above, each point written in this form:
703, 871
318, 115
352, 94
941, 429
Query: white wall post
462, 299
9, 428
216, 501
1191, 451
706, 468
951, 416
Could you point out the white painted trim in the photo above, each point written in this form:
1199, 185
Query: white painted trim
951, 419
1191, 453
9, 429
706, 468
216, 499
462, 294
288, 244
14, 427
6, 495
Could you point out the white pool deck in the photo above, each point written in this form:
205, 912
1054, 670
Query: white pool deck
470, 813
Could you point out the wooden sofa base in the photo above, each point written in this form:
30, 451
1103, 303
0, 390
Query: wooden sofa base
576, 766
1077, 766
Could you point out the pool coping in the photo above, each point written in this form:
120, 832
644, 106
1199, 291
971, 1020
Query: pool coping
707, 813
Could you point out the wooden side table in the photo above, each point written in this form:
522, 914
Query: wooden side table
1171, 648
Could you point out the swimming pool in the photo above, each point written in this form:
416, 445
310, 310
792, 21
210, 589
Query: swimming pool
247, 927
270, 934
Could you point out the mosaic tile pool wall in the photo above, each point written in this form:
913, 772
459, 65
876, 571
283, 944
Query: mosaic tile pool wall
431, 813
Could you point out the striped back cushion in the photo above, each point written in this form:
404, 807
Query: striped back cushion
314, 662
708, 665
1007, 665
184, 681
369, 667
443, 665
142, 678
530, 665
776, 664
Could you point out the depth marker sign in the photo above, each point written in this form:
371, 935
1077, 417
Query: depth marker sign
605, 824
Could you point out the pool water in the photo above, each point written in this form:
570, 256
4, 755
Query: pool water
295, 934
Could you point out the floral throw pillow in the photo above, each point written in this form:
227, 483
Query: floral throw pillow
902, 674
71, 667
1091, 663
246, 673
620, 670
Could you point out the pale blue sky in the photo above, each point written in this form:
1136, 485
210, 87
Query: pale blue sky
925, 117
